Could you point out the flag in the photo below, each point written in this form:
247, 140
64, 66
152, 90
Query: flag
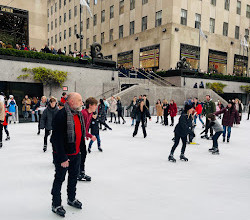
202, 34
244, 43
84, 3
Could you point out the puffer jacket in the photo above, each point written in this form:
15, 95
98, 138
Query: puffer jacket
183, 128
229, 116
173, 109
101, 113
47, 117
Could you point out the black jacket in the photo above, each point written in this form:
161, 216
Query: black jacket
119, 106
141, 115
94, 126
59, 139
133, 107
47, 117
182, 129
101, 113
166, 109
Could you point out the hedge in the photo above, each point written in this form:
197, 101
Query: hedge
42, 56
211, 76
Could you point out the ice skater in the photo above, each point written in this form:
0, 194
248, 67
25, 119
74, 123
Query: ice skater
159, 111
113, 109
5, 124
2, 116
120, 110
133, 106
47, 118
182, 129
94, 129
102, 116
215, 125
165, 112
172, 111
141, 114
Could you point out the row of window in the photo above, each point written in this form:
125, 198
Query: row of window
212, 24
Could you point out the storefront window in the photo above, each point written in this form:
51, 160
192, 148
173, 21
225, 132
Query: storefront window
240, 65
217, 62
125, 59
149, 57
192, 54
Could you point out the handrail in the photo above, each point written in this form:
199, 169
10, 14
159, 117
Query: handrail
152, 80
119, 72
158, 80
101, 95
162, 79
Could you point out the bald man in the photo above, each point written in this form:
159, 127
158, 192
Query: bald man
67, 140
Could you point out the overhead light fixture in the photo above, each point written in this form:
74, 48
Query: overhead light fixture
136, 38
176, 29
164, 30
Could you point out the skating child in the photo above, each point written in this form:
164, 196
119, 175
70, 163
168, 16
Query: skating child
94, 130
5, 124
181, 131
215, 125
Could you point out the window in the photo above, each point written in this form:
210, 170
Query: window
55, 38
64, 17
51, 41
227, 5
94, 38
121, 7
248, 11
64, 34
48, 27
95, 2
64, 49
225, 29
120, 31
102, 38
70, 32
51, 25
60, 4
87, 23
81, 26
132, 4
158, 18
144, 2
75, 11
60, 20
95, 20
56, 23
247, 34
87, 43
111, 34
183, 17
237, 32
75, 47
213, 2
197, 21
51, 10
48, 13
103, 16
212, 25
60, 36
56, 7
132, 28
75, 29
64, 2
69, 14
144, 23
238, 10
69, 48
111, 14
48, 41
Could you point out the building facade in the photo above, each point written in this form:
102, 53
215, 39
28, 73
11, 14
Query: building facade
24, 21
155, 34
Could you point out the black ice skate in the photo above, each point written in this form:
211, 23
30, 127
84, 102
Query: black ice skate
228, 140
1, 144
100, 149
124, 122
211, 149
105, 129
182, 157
59, 210
205, 137
84, 177
8, 138
76, 204
171, 158
224, 139
216, 151
44, 148
89, 150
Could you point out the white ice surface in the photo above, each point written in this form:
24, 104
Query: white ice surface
132, 179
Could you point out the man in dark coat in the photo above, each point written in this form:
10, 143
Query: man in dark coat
230, 115
208, 107
67, 139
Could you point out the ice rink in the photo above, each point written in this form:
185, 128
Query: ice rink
132, 179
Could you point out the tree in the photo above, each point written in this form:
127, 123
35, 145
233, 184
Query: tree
217, 87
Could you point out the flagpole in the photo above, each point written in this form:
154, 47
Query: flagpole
199, 63
80, 28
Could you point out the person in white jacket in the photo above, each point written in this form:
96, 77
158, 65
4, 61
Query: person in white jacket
113, 108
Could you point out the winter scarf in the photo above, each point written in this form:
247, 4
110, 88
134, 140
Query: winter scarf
71, 124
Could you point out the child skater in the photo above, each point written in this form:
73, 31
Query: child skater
5, 124
94, 128
218, 131
181, 131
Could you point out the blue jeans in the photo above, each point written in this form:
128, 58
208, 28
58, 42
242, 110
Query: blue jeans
195, 117
133, 121
98, 141
215, 139
227, 129
33, 118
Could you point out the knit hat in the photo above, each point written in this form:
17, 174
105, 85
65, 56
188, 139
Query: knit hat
187, 107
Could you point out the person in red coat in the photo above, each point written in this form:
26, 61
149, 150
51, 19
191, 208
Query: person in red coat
198, 111
64, 97
5, 124
230, 114
172, 111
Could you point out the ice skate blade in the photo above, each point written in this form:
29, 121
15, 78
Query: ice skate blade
172, 161
61, 215
184, 160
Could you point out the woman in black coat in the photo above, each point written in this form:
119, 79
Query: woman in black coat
102, 115
119, 110
47, 118
141, 114
181, 131
166, 112
133, 105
